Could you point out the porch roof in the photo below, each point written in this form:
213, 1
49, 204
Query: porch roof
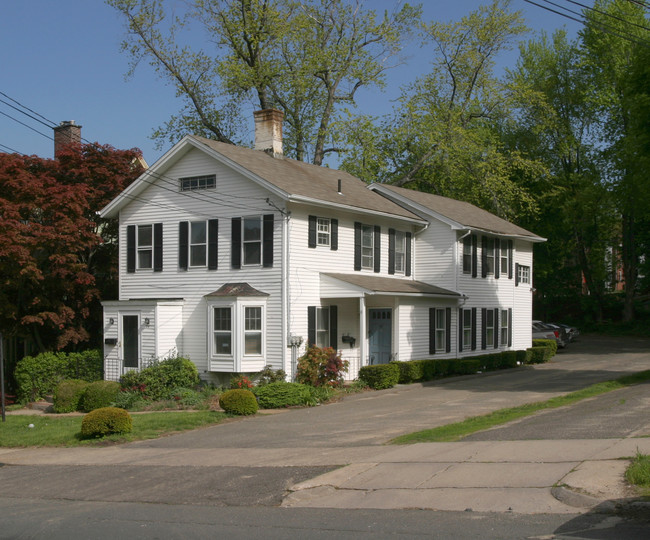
351, 285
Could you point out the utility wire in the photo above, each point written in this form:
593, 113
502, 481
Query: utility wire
29, 127
28, 109
23, 112
610, 15
12, 150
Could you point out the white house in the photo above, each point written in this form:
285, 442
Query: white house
239, 258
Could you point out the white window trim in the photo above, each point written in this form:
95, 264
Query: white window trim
320, 315
467, 338
191, 245
467, 242
504, 328
524, 274
441, 344
193, 183
504, 255
489, 313
141, 248
323, 231
491, 243
244, 241
371, 247
400, 235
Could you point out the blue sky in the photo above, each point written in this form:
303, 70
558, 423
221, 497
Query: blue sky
62, 59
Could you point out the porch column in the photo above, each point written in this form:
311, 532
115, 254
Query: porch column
363, 331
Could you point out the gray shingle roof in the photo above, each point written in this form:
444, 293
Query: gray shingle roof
307, 180
463, 213
392, 285
237, 289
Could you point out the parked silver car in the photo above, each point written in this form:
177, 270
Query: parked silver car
545, 331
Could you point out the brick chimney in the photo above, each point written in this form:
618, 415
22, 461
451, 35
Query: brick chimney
65, 134
268, 131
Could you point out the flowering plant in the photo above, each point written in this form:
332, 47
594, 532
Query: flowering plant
241, 381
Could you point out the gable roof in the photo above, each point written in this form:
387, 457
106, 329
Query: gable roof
290, 179
457, 214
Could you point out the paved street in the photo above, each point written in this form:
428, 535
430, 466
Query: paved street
335, 456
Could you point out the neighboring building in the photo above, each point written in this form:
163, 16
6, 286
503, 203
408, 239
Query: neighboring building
238, 258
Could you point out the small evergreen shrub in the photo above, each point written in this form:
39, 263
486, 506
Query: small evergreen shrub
546, 343
99, 394
380, 376
268, 376
523, 357
321, 367
106, 421
508, 359
158, 381
241, 402
465, 366
67, 395
410, 371
540, 355
278, 395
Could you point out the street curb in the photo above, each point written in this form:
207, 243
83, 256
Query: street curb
581, 500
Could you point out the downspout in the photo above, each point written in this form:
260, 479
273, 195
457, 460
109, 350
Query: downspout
285, 292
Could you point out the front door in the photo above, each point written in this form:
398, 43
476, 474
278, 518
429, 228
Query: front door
380, 332
130, 341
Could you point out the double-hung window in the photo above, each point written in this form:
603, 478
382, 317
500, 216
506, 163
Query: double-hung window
523, 274
252, 330
198, 243
505, 258
323, 234
145, 246
400, 252
489, 328
322, 327
505, 323
489, 256
367, 247
467, 329
222, 331
252, 240
467, 254
441, 326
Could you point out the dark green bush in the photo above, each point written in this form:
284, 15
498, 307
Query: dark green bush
130, 399
540, 355
508, 359
321, 367
241, 402
410, 371
86, 365
523, 357
490, 362
158, 381
380, 376
268, 375
465, 366
106, 421
99, 394
67, 395
187, 397
277, 395
546, 343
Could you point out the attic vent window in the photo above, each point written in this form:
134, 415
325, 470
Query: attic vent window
193, 183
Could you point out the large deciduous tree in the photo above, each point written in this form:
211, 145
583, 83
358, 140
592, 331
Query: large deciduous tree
444, 134
56, 255
308, 58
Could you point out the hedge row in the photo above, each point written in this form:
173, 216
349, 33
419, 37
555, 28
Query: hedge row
38, 376
387, 375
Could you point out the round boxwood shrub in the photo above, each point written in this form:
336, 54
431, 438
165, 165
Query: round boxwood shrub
240, 402
99, 394
380, 376
67, 395
277, 395
106, 421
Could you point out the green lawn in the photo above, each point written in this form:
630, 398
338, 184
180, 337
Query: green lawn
65, 430
458, 430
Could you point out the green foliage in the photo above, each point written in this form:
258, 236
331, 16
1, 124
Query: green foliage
187, 397
277, 395
550, 343
380, 376
411, 371
321, 367
638, 473
129, 399
240, 402
540, 355
67, 395
106, 421
241, 381
99, 394
157, 381
268, 375
523, 357
38, 376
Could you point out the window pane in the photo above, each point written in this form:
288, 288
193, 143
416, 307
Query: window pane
252, 229
222, 334
144, 235
197, 255
222, 343
222, 319
253, 343
198, 234
144, 258
252, 253
253, 318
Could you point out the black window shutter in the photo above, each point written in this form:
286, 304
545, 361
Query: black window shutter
509, 327
408, 254
460, 329
497, 259
235, 250
391, 251
484, 243
509, 259
517, 275
157, 247
448, 328
377, 254
432, 330
213, 243
267, 235
311, 326
130, 248
333, 327
474, 255
473, 328
357, 245
311, 242
334, 238
483, 328
183, 246
497, 328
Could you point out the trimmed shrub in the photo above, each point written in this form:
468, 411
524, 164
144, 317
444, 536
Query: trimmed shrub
99, 394
67, 395
465, 366
410, 371
158, 381
546, 343
38, 376
282, 394
106, 421
380, 376
321, 367
508, 359
523, 357
241, 402
540, 355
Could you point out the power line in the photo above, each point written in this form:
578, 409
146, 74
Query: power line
12, 150
28, 109
23, 112
29, 127
610, 15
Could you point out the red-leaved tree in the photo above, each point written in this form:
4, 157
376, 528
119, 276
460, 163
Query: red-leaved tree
57, 257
